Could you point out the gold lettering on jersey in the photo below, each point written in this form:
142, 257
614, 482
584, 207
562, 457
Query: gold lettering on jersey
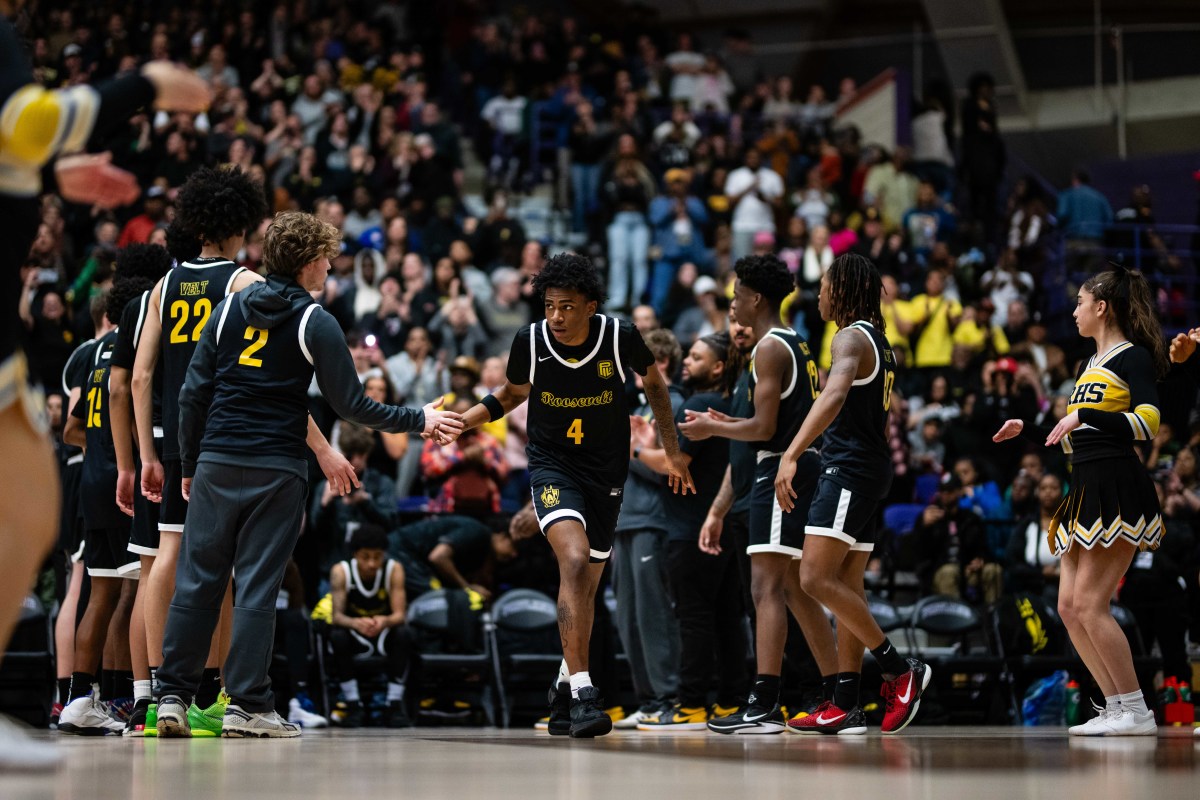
549, 497
192, 288
605, 369
602, 399
98, 376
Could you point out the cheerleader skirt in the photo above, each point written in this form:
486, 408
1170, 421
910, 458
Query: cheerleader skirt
1110, 500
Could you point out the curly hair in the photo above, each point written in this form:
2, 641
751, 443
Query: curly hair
1131, 305
294, 239
662, 344
766, 275
855, 291
182, 244
369, 537
218, 204
571, 272
139, 267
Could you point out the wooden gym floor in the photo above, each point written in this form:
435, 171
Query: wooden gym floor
464, 764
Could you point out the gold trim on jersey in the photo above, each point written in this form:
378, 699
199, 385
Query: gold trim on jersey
1100, 360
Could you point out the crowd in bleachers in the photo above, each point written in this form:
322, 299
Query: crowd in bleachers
680, 154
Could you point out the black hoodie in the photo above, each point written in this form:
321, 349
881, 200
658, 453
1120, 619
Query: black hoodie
244, 402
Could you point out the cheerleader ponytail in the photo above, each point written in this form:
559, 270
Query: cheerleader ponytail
1131, 304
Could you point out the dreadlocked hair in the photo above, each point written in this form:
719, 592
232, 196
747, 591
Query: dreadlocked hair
217, 204
1131, 309
572, 272
722, 346
766, 275
139, 267
855, 289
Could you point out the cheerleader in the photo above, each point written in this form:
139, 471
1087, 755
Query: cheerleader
1112, 509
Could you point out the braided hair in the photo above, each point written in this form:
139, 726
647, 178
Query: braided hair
855, 289
722, 347
1131, 309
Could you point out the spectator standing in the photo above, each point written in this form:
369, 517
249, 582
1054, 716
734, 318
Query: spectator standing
678, 219
754, 192
1084, 215
628, 188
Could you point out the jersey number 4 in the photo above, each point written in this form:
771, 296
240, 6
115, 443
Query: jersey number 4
258, 340
576, 431
181, 312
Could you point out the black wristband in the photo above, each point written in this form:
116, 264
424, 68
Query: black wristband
495, 410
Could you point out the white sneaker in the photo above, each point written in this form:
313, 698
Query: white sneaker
86, 716
173, 718
239, 724
1089, 728
19, 752
1127, 722
303, 718
630, 723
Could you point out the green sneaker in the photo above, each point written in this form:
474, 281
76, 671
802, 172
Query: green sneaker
151, 730
207, 723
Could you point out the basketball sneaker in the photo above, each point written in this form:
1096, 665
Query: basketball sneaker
829, 719
676, 718
348, 714
172, 720
559, 721
1090, 728
136, 724
720, 712
303, 717
151, 730
239, 724
587, 715
902, 696
55, 713
87, 716
396, 715
206, 723
1124, 721
121, 709
644, 712
752, 719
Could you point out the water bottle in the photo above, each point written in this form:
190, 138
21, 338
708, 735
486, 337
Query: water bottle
1072, 703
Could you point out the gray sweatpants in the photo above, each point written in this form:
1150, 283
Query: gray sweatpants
241, 519
646, 619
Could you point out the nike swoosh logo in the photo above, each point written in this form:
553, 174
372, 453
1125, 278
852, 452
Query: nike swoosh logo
646, 558
904, 698
763, 478
822, 721
749, 718
547, 358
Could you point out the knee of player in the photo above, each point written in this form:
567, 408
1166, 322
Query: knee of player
813, 582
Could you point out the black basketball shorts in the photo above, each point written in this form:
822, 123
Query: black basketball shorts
772, 530
844, 514
559, 495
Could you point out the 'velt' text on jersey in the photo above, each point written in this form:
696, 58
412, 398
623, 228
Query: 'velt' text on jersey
193, 288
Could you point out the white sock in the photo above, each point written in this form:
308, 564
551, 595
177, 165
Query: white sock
141, 690
1112, 702
395, 692
1135, 702
564, 674
350, 690
578, 681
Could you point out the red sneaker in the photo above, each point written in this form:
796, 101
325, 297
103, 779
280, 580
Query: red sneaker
903, 696
829, 719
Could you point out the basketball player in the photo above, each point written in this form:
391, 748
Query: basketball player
783, 384
369, 603
572, 369
243, 426
36, 126
856, 474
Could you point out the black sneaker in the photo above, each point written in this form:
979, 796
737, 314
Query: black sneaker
750, 720
348, 714
588, 718
396, 715
136, 724
559, 723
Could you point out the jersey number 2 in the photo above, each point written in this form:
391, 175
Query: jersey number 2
259, 336
181, 311
576, 431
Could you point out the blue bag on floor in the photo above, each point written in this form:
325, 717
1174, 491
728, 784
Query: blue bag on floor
1046, 701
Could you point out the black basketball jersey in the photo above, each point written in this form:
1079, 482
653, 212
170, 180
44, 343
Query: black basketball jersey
798, 390
855, 453
260, 387
98, 481
368, 601
578, 416
741, 454
189, 294
129, 334
75, 376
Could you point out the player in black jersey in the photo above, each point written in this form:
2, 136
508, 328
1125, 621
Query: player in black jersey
856, 472
139, 267
572, 369
367, 619
105, 540
782, 387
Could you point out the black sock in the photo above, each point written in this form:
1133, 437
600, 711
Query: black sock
154, 688
81, 685
889, 660
64, 689
766, 691
828, 684
122, 683
210, 687
107, 684
845, 696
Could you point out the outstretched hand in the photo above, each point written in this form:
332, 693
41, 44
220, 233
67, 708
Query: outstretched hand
92, 179
1184, 345
444, 427
1010, 429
